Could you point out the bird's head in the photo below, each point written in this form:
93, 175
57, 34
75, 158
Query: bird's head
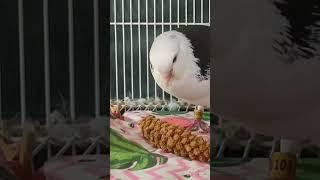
167, 56
174, 56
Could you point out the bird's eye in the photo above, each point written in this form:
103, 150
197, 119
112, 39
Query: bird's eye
174, 59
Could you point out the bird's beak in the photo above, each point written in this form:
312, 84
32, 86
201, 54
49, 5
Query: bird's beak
166, 78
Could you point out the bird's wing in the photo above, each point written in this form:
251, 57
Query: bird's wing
199, 37
301, 37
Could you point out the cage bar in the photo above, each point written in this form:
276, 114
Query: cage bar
123, 51
194, 11
96, 58
71, 59
170, 15
170, 26
94, 144
209, 9
186, 11
139, 47
1, 120
154, 36
178, 13
71, 65
162, 17
147, 48
202, 10
90, 148
46, 59
131, 50
22, 63
67, 145
41, 146
162, 30
116, 47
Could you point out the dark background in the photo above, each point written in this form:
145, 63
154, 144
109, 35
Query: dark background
59, 64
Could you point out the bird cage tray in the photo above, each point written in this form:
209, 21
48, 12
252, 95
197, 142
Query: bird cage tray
132, 157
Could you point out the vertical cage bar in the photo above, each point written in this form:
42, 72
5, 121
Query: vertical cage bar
46, 59
186, 11
202, 10
96, 58
139, 42
147, 49
71, 65
170, 26
131, 51
210, 12
123, 51
116, 47
178, 13
194, 11
162, 17
71, 59
162, 30
154, 36
1, 120
170, 15
22, 63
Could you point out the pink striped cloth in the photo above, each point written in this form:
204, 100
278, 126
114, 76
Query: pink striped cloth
175, 168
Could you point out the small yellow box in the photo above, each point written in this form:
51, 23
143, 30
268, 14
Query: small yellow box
282, 166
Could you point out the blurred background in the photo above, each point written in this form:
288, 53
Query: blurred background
54, 71
58, 58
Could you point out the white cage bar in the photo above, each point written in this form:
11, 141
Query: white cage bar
1, 120
139, 49
147, 51
96, 57
71, 59
46, 59
71, 69
154, 36
22, 63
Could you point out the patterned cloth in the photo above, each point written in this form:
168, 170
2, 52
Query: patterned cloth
174, 168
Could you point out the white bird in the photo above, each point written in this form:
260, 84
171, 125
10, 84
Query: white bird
179, 62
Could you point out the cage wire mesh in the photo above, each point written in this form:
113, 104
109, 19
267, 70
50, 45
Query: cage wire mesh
133, 27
